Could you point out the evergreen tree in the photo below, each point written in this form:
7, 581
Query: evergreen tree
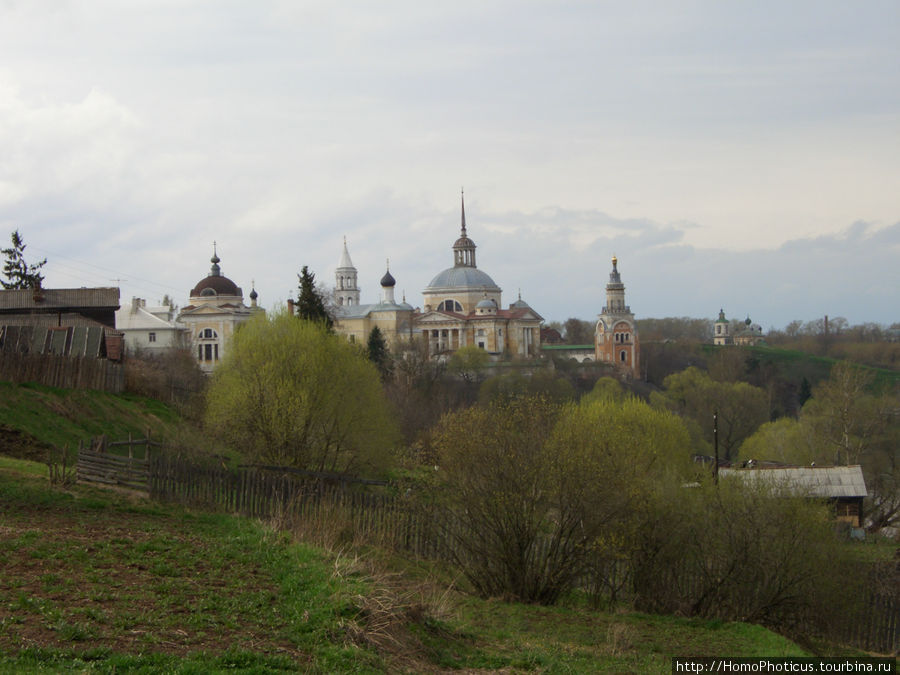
377, 351
805, 392
18, 273
310, 305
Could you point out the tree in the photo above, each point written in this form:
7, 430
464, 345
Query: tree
518, 385
310, 303
377, 351
605, 389
468, 361
846, 416
291, 392
18, 273
529, 489
740, 552
579, 332
785, 440
741, 408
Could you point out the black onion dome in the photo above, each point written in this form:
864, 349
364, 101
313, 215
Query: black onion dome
388, 280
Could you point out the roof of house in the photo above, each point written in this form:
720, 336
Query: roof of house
139, 318
817, 481
53, 299
83, 340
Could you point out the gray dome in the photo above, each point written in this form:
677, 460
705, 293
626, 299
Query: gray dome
487, 303
462, 277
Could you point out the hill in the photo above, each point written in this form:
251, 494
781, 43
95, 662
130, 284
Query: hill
34, 417
101, 580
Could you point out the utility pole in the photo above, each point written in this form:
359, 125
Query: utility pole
716, 446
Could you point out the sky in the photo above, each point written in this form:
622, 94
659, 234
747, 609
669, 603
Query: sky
739, 155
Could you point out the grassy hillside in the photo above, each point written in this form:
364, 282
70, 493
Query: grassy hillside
33, 417
102, 581
796, 365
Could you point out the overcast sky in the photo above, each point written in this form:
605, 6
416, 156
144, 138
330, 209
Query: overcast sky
743, 155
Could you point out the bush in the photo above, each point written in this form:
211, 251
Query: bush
532, 491
742, 553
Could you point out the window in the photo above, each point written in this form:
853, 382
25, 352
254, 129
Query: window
207, 352
622, 356
479, 332
449, 306
207, 334
481, 343
151, 337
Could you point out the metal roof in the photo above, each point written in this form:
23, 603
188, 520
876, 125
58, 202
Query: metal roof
827, 482
59, 298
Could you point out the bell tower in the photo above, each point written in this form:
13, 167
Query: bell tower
346, 290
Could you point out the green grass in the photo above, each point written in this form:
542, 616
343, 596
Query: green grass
62, 417
100, 581
794, 365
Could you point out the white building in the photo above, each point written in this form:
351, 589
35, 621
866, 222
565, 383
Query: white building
216, 308
149, 329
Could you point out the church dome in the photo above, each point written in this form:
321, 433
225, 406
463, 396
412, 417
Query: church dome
214, 283
459, 278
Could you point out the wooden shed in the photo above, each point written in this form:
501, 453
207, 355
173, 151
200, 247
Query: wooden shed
842, 486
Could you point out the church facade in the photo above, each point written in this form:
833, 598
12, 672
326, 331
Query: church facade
215, 309
462, 306
616, 335
356, 320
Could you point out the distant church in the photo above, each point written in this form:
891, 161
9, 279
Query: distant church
616, 336
746, 333
355, 320
462, 307
215, 309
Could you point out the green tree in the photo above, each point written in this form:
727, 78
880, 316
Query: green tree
19, 274
291, 392
741, 408
468, 361
529, 489
518, 385
377, 351
605, 389
785, 440
847, 418
310, 303
739, 552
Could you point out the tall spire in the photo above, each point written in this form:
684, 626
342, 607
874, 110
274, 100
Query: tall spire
345, 257
346, 291
462, 196
464, 248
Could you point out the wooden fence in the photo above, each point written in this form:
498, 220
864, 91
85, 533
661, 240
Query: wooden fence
95, 465
874, 627
368, 510
345, 504
67, 372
